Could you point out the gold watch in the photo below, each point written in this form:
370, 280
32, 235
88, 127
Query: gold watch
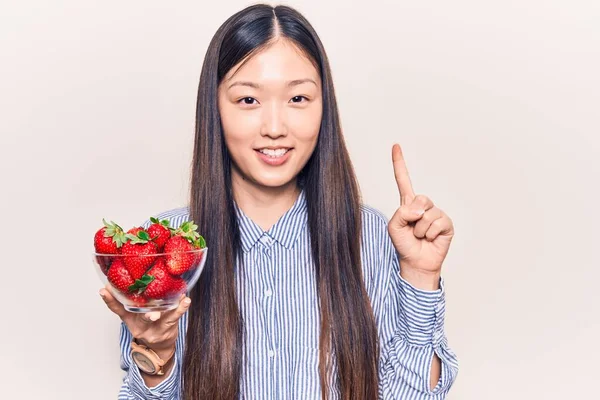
147, 360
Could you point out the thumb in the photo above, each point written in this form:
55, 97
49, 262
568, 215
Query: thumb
405, 215
173, 316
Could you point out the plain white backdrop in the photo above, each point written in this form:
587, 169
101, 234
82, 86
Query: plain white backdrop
496, 104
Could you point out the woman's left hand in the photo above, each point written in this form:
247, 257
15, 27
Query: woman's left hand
420, 231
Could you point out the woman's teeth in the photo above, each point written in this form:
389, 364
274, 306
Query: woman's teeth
274, 153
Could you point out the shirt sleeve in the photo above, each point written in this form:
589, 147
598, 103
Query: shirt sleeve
411, 326
134, 387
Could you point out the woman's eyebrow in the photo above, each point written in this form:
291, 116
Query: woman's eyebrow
301, 81
244, 83
295, 82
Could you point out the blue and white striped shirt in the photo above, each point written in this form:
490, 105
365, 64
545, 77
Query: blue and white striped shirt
279, 305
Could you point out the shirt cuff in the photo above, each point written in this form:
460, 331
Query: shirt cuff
424, 312
167, 389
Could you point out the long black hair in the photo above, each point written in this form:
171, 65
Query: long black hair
214, 341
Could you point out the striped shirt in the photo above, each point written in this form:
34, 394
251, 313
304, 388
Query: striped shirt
279, 306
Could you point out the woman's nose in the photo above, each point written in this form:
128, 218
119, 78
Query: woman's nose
273, 123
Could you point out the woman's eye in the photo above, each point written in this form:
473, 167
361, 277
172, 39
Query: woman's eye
298, 99
248, 101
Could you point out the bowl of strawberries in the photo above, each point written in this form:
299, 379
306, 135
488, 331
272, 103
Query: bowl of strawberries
149, 269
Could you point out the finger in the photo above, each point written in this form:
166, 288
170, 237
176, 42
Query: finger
401, 173
150, 317
112, 303
438, 227
441, 226
404, 216
172, 317
421, 203
426, 220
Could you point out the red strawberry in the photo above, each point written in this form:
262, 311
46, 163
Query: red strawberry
134, 231
162, 284
160, 232
104, 261
178, 287
119, 276
180, 257
139, 250
137, 299
109, 239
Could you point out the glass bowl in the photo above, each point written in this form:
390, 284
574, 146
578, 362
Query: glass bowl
167, 276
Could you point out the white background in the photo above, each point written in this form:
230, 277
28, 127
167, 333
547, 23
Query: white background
496, 104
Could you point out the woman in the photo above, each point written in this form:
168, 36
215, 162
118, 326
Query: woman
302, 296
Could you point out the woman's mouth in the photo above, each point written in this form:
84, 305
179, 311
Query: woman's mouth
274, 156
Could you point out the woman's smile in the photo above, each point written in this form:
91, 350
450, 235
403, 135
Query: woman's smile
274, 156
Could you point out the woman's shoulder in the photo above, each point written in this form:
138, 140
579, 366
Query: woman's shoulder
376, 251
375, 237
372, 218
176, 216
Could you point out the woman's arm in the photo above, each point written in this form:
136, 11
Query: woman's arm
416, 361
430, 283
138, 385
162, 335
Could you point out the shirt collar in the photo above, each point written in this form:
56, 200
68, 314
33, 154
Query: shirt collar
285, 231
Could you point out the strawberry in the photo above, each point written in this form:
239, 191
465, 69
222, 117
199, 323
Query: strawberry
179, 255
181, 246
160, 232
104, 262
134, 231
139, 248
109, 239
119, 276
178, 287
137, 299
162, 284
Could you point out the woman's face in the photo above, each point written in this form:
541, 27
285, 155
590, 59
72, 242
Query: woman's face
271, 111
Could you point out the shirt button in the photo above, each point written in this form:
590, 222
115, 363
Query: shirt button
266, 240
271, 353
268, 292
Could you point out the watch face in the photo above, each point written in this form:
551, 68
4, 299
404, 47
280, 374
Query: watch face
143, 362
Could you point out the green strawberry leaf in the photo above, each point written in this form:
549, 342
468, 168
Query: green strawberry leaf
165, 223
201, 242
140, 284
112, 228
120, 239
144, 235
130, 236
154, 220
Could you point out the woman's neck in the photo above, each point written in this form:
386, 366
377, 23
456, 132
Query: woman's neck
264, 205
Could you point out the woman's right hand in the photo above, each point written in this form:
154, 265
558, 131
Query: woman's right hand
156, 330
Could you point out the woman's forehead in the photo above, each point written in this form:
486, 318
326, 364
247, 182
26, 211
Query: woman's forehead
280, 62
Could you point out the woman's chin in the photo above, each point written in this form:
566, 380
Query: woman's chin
274, 182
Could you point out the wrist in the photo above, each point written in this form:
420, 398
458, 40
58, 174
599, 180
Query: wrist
423, 280
165, 351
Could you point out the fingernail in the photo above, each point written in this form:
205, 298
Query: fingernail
102, 294
154, 317
187, 300
419, 212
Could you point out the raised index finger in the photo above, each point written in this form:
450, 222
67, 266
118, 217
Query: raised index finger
401, 173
